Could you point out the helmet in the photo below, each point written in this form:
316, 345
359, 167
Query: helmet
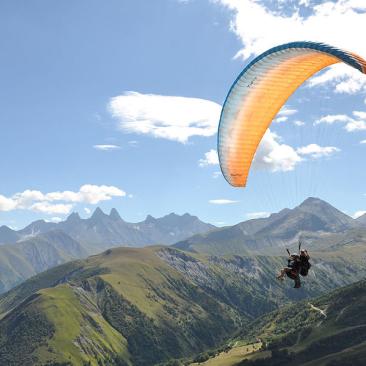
294, 255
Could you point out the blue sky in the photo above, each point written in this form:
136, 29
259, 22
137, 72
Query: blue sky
99, 102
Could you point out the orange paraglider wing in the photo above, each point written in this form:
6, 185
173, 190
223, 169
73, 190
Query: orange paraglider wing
260, 91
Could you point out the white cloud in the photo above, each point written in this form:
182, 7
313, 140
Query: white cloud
222, 201
24, 199
331, 119
93, 194
355, 126
257, 215
274, 156
345, 79
106, 147
48, 208
360, 114
286, 111
280, 119
363, 142
315, 151
6, 204
326, 23
211, 158
299, 123
87, 193
284, 114
169, 117
358, 214
355, 123
45, 202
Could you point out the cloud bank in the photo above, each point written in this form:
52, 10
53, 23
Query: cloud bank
169, 117
327, 23
59, 202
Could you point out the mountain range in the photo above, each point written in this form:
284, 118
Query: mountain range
314, 221
42, 245
101, 231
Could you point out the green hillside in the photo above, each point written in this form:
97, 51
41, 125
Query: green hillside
146, 306
123, 305
328, 331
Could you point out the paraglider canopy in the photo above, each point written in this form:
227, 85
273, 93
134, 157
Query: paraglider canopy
260, 91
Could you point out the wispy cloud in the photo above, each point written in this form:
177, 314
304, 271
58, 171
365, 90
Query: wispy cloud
280, 119
363, 142
286, 111
222, 201
315, 151
351, 124
257, 215
106, 147
169, 117
292, 26
58, 202
333, 118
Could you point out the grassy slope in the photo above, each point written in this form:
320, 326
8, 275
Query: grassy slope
330, 331
123, 295
93, 338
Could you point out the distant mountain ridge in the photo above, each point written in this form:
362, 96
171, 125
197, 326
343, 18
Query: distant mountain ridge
42, 245
318, 223
36, 254
101, 231
314, 219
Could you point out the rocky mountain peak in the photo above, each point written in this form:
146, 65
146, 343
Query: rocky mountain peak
312, 201
114, 215
150, 219
73, 217
98, 213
